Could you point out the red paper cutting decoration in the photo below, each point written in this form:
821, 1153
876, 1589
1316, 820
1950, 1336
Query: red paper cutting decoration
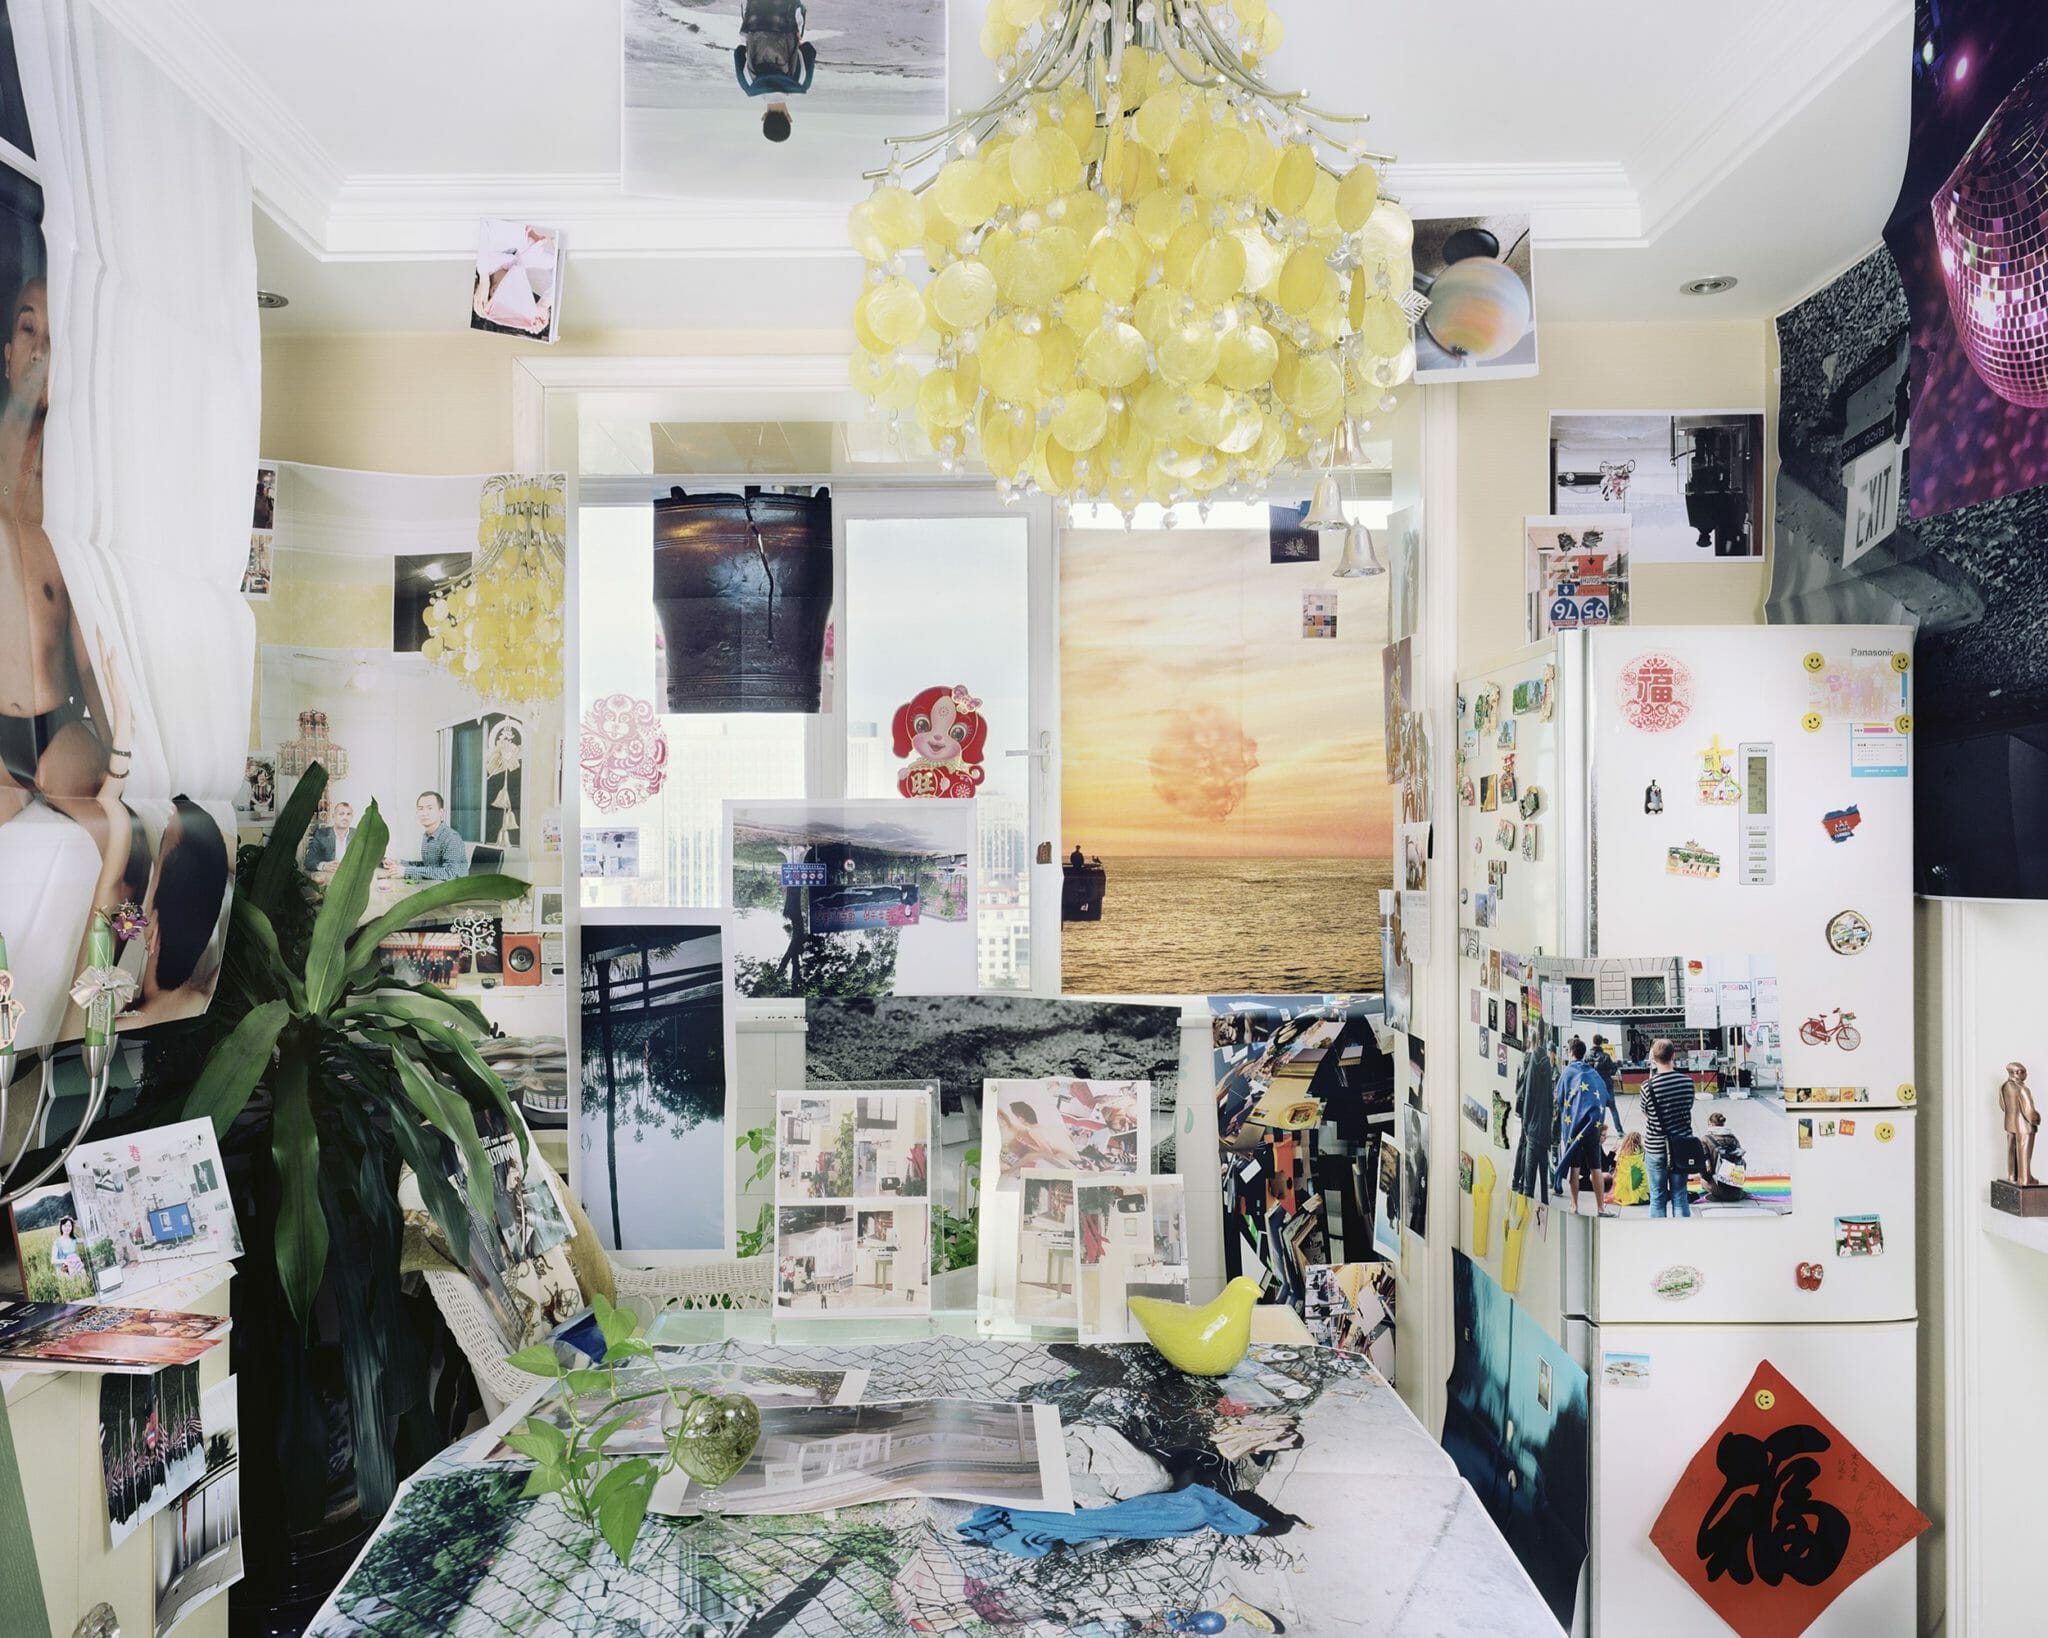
1655, 693
943, 733
1777, 1514
624, 752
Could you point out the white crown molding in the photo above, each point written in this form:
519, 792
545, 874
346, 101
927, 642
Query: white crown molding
290, 173
1773, 72
1776, 70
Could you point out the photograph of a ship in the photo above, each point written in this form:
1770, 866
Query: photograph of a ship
1225, 821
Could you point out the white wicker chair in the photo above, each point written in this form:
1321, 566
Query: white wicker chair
740, 1282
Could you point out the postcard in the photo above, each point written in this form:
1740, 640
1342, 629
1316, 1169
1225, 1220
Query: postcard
1134, 1242
158, 1202
50, 1336
54, 1255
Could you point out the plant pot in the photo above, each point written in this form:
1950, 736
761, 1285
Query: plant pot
743, 589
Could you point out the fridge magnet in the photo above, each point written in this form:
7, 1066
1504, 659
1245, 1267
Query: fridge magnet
1319, 614
1531, 802
1464, 1172
1549, 704
1511, 1022
1530, 847
1907, 1096
1500, 1056
1825, 1129
1485, 1052
1841, 823
1827, 1094
1653, 797
1511, 966
1497, 1128
1504, 833
1497, 878
624, 753
1848, 932
1489, 793
1468, 791
1625, 1370
1818, 1031
1884, 1131
1846, 1127
1529, 696
1692, 860
1718, 786
1805, 1130
1486, 707
1493, 969
1471, 1107
943, 733
1492, 1013
1475, 1006
1506, 738
1809, 1276
1777, 1514
1859, 1236
1482, 909
1678, 1282
1655, 693
1508, 788
1812, 722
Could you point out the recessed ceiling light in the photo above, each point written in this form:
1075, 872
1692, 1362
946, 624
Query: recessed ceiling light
1712, 286
269, 299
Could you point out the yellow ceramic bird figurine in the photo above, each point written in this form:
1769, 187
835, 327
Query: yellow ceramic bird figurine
1204, 1341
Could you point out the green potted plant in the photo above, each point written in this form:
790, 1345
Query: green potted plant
323, 1075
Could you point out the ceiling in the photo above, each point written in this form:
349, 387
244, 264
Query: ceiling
1650, 144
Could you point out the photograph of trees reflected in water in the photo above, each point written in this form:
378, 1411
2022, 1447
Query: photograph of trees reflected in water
656, 1049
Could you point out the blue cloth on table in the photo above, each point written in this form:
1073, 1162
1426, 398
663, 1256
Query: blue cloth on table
1142, 1518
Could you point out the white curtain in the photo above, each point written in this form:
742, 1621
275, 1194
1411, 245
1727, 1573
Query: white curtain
149, 464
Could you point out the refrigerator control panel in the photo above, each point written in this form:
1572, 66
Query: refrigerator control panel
1759, 820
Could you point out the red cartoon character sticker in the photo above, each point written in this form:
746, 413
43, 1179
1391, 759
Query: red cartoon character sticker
1655, 693
943, 733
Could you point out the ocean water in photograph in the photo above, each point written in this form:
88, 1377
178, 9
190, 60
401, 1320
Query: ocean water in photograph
1210, 926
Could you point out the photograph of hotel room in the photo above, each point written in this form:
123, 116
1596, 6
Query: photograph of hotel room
853, 1259
1133, 1242
852, 1145
1720, 1014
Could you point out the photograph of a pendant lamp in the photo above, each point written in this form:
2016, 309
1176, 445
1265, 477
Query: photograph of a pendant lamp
1481, 317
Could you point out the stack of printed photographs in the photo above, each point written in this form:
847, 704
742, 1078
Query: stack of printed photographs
853, 1225
1072, 1225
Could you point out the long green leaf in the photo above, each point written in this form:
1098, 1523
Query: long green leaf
444, 1202
362, 949
621, 1512
254, 926
451, 1116
235, 1065
420, 1000
471, 1066
278, 870
347, 897
301, 1224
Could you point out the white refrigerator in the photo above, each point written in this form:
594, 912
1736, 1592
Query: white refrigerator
1709, 801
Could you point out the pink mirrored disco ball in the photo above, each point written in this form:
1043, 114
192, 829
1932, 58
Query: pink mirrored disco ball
1991, 228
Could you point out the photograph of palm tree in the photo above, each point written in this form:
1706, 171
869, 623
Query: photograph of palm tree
654, 1089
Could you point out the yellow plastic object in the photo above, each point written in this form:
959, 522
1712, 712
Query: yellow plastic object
1511, 1242
1483, 1176
1204, 1341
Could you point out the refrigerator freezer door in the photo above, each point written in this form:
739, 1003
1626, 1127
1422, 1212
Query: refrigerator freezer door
1783, 739
1750, 1268
1660, 1391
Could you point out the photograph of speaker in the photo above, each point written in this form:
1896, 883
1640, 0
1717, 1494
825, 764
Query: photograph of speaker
521, 953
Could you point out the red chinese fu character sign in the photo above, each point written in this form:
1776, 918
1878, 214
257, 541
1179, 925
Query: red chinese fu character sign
944, 734
1777, 1514
1654, 693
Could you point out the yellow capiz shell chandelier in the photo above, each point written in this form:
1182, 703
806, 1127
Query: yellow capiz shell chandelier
1153, 277
498, 628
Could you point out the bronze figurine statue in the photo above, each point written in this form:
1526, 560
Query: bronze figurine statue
2022, 1121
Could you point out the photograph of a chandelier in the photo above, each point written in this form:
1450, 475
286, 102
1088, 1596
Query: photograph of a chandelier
1153, 276
498, 627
